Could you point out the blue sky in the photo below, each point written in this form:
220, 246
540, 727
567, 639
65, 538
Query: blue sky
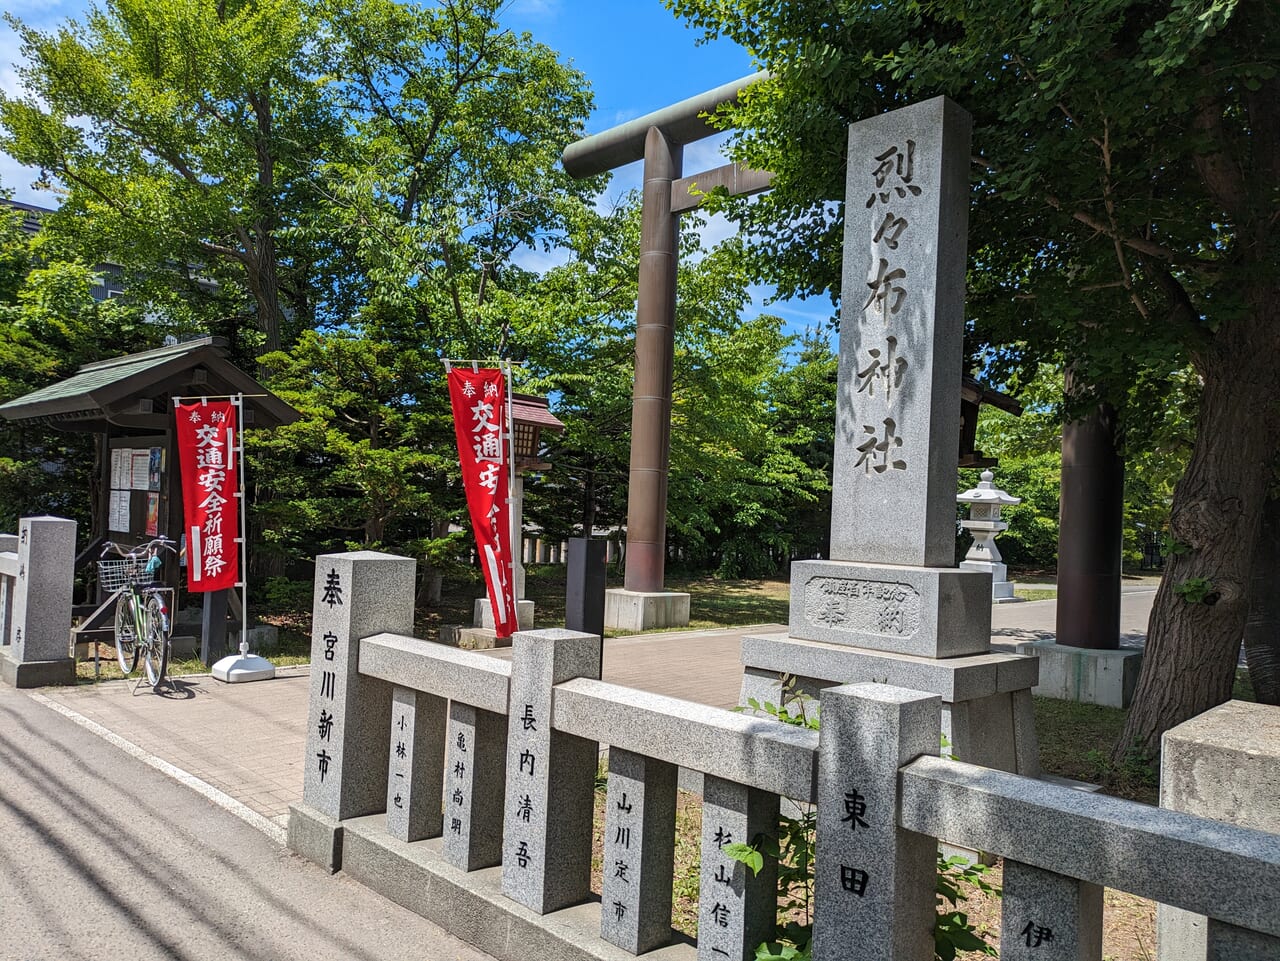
613, 42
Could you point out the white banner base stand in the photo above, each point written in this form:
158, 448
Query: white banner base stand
243, 667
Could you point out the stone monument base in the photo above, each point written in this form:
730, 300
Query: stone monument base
987, 714
483, 614
634, 611
315, 836
1225, 765
1001, 586
60, 671
471, 905
1086, 675
938, 612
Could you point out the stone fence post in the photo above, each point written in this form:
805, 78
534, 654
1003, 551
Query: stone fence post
357, 595
37, 612
550, 789
875, 881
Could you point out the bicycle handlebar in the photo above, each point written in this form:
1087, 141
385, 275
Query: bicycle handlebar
140, 550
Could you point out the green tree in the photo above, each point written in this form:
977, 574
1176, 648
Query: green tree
736, 480
456, 127
50, 325
370, 465
1126, 176
183, 134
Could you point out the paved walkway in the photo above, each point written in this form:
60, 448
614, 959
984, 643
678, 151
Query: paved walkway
107, 859
246, 741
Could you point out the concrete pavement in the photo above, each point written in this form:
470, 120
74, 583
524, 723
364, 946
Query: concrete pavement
106, 858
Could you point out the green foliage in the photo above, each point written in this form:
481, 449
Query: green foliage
1122, 222
1197, 590
50, 325
281, 595
742, 468
953, 931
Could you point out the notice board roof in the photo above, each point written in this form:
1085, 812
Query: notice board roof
130, 391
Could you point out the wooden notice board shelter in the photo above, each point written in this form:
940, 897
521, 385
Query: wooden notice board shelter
127, 404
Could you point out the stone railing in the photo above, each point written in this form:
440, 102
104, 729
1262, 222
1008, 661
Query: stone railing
463, 787
37, 568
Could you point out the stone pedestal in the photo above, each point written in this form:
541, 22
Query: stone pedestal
1085, 674
1225, 765
987, 715
935, 612
634, 611
1001, 586
483, 614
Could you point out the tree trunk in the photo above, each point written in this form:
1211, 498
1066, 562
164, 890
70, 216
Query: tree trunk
1262, 627
1197, 622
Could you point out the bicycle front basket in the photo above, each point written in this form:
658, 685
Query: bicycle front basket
115, 574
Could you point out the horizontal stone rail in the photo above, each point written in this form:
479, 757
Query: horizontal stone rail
8, 563
447, 672
763, 754
1221, 870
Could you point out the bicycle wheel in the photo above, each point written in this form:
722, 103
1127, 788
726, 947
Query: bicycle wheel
155, 648
126, 634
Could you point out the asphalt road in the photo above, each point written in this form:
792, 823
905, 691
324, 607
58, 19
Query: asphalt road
102, 857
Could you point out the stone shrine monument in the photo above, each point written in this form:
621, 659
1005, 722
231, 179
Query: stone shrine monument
985, 503
890, 605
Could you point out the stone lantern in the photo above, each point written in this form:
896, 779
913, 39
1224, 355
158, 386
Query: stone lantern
985, 503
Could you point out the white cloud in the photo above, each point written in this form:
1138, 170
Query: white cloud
18, 179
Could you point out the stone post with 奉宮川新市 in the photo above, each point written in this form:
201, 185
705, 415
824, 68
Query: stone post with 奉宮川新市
357, 595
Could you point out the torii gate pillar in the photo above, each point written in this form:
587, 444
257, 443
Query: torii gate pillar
658, 138
655, 353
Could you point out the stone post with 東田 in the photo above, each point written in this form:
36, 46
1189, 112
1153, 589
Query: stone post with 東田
546, 850
357, 595
874, 883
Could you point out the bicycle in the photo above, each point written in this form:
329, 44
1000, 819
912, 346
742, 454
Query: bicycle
142, 625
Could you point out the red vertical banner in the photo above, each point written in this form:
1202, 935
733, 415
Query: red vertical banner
210, 479
479, 400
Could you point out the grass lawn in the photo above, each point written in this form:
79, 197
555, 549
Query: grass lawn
1036, 593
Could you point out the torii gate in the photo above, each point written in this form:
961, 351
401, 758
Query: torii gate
659, 139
